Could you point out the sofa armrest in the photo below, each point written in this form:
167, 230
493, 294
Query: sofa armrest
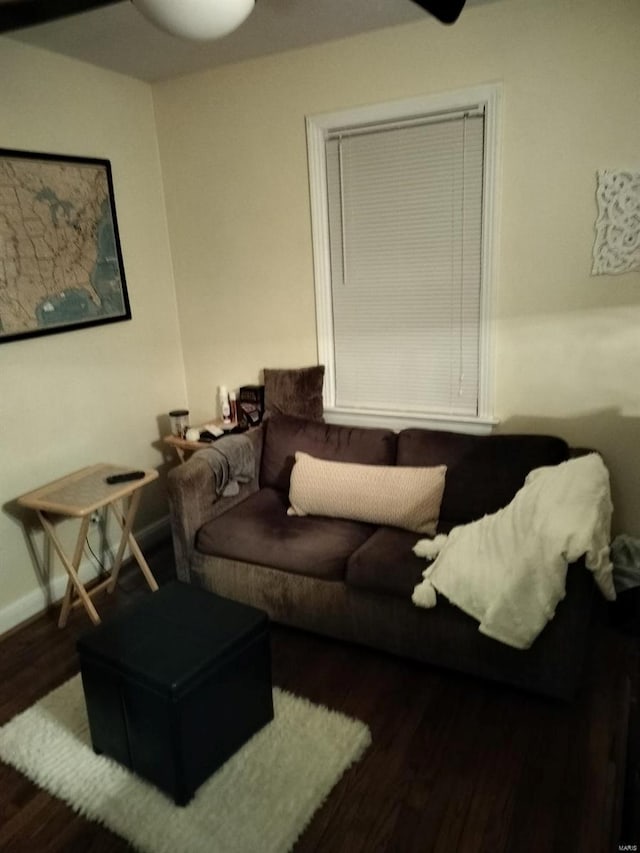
193, 501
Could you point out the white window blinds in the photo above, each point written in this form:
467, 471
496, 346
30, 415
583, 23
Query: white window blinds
405, 232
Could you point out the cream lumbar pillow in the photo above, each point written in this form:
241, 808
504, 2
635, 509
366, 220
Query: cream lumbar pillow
400, 496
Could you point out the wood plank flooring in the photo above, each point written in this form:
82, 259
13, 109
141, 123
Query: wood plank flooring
457, 765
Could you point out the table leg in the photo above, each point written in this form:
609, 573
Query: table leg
72, 569
126, 525
77, 557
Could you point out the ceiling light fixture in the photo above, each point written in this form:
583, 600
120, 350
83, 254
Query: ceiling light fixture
198, 20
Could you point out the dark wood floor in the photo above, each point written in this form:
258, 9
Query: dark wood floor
456, 764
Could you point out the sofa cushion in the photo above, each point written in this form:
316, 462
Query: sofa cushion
386, 564
399, 496
284, 435
295, 391
483, 472
258, 530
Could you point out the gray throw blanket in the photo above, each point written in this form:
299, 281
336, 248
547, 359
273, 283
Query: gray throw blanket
232, 461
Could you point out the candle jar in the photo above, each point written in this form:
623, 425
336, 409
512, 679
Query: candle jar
179, 422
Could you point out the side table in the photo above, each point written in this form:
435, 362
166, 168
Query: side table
182, 446
78, 495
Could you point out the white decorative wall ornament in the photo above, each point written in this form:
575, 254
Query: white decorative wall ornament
617, 245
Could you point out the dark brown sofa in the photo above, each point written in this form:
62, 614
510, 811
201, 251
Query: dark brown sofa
352, 580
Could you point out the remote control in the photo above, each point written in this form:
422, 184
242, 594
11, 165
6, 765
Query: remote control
124, 478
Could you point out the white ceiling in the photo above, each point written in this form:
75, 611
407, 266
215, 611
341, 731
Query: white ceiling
117, 37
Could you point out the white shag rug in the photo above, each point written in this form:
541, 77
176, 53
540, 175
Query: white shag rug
260, 800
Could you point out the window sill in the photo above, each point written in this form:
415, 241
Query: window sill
405, 420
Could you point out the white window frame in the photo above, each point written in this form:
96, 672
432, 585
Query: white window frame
319, 127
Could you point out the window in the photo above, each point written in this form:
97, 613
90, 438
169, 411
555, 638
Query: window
402, 196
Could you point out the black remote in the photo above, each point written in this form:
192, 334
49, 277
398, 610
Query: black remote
124, 478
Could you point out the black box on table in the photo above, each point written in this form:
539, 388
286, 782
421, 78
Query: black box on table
251, 404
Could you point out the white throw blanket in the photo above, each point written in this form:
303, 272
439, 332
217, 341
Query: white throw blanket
508, 570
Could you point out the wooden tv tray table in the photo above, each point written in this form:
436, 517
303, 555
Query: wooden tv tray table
79, 495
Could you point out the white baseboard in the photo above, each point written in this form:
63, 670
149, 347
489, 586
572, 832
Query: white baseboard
38, 600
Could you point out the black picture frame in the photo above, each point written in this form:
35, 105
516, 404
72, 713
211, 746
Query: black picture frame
61, 265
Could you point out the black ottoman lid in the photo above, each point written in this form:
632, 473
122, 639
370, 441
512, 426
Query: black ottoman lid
170, 638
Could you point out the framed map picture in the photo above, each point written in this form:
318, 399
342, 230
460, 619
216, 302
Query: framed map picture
60, 259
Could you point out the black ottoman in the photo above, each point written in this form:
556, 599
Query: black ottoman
176, 683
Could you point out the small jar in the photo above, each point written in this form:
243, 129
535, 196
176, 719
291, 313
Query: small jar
179, 422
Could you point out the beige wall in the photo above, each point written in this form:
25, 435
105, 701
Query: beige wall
233, 161
232, 145
72, 399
